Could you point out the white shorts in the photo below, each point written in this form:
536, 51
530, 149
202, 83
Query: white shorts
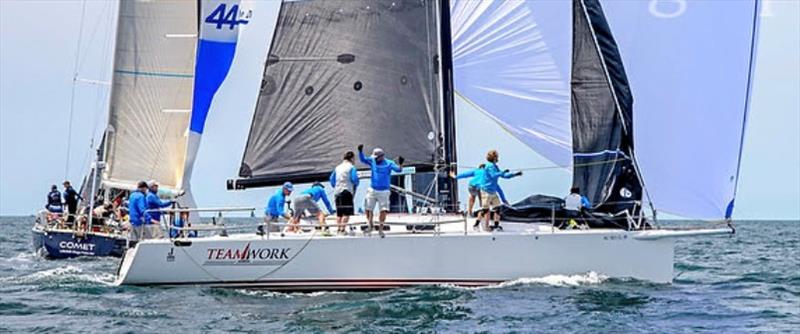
381, 197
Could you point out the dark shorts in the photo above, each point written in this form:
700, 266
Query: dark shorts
474, 191
344, 204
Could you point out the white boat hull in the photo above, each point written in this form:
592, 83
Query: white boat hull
313, 262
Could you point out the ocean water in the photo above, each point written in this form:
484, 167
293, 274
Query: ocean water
746, 283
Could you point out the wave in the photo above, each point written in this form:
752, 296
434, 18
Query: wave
67, 273
590, 278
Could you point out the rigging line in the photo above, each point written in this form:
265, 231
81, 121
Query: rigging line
72, 95
99, 90
422, 163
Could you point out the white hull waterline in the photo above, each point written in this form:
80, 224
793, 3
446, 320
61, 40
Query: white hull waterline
312, 262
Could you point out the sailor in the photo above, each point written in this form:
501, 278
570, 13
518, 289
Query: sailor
153, 213
307, 201
490, 199
137, 206
475, 190
574, 204
181, 223
379, 187
71, 198
54, 204
276, 206
344, 180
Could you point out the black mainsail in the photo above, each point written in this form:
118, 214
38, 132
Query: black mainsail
341, 73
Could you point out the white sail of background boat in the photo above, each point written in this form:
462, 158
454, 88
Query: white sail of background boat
340, 73
148, 117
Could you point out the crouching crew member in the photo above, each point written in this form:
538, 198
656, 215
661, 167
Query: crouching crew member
307, 201
276, 207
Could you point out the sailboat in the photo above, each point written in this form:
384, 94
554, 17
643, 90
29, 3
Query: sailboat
145, 138
341, 73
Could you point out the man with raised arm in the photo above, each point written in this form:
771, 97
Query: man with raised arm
380, 184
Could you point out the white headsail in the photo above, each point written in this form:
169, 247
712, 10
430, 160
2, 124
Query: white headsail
151, 96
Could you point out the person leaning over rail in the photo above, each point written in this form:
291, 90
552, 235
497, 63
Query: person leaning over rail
344, 180
275, 208
137, 206
307, 201
153, 213
490, 200
380, 184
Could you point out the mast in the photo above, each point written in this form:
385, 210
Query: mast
448, 187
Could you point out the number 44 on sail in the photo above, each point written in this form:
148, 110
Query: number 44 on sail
233, 17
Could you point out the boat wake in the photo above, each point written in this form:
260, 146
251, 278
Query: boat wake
65, 274
590, 278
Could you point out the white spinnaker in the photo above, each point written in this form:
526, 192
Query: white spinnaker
151, 95
690, 90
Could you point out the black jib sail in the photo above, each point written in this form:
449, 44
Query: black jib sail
602, 115
341, 73
602, 130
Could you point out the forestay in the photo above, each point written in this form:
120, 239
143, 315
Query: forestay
152, 92
340, 73
512, 60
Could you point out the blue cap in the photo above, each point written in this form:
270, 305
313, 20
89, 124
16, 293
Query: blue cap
288, 186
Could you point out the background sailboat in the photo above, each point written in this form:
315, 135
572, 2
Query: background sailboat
148, 114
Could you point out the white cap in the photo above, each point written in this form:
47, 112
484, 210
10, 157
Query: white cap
377, 152
151, 183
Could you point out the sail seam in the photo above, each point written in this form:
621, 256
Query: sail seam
155, 74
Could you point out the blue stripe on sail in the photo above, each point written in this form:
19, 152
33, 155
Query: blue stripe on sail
155, 74
603, 152
213, 62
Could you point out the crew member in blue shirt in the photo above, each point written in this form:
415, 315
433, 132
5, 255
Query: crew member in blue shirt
153, 215
380, 184
307, 201
475, 190
276, 207
490, 198
137, 206
54, 204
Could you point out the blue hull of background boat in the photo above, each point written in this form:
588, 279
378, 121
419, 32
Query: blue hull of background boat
61, 245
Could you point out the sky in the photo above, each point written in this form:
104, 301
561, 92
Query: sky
37, 63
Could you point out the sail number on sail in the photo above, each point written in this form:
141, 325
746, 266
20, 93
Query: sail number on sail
233, 17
